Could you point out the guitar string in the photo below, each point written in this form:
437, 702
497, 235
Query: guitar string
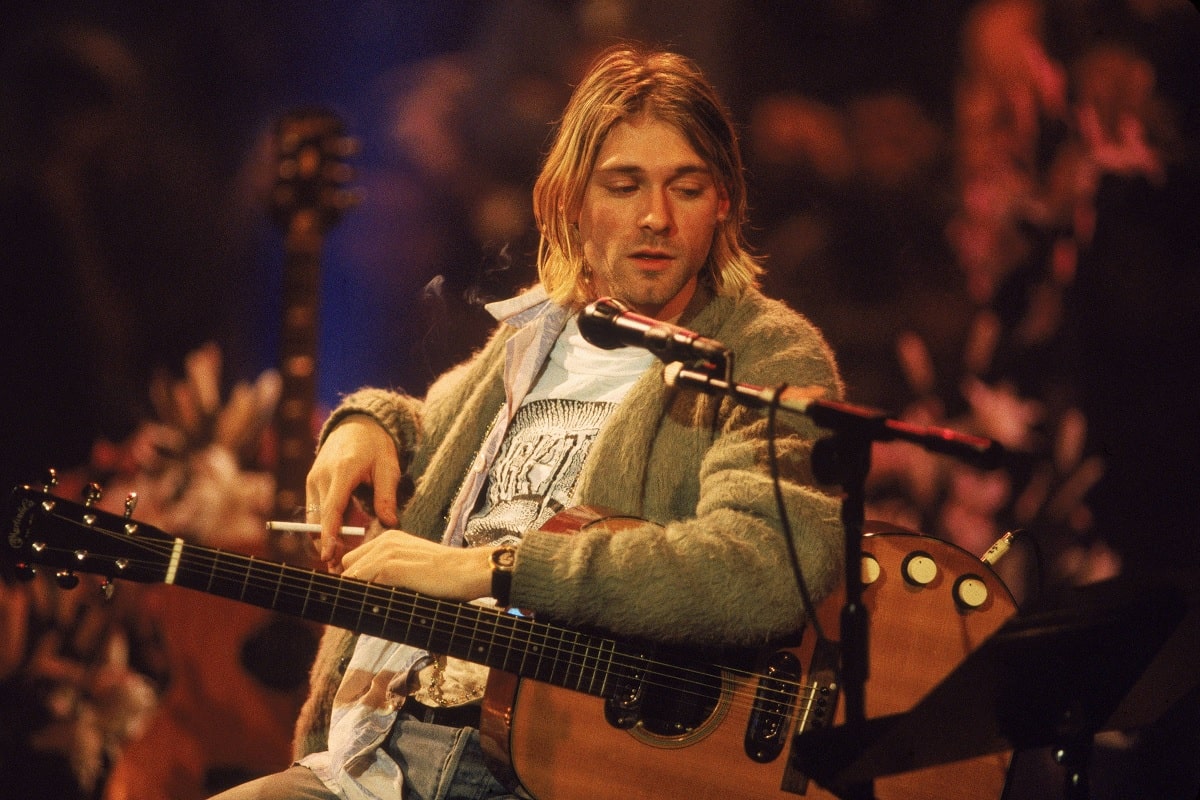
298, 584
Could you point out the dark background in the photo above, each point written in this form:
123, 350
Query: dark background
920, 177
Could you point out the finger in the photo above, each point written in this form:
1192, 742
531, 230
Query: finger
385, 480
348, 561
312, 508
364, 561
351, 563
331, 512
374, 528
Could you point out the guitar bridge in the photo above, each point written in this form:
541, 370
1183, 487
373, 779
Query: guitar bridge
766, 730
821, 697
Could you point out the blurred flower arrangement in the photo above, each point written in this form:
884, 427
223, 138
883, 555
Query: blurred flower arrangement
1022, 221
196, 468
82, 670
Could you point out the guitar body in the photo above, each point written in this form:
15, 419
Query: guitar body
216, 724
558, 745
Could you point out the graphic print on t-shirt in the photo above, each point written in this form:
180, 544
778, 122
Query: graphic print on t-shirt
536, 469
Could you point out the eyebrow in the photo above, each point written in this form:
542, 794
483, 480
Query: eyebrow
632, 169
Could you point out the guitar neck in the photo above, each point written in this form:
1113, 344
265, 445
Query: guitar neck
307, 200
298, 362
46, 530
482, 635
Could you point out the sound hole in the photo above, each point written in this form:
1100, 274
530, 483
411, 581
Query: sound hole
679, 700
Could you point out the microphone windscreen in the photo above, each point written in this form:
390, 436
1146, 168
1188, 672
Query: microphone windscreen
596, 323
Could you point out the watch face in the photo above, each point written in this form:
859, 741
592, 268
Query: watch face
504, 557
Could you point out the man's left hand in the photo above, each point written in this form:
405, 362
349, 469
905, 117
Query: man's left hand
397, 558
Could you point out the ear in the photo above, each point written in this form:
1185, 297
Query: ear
723, 206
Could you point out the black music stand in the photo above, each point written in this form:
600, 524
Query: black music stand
1050, 678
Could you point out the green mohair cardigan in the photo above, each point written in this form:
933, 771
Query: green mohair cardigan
710, 564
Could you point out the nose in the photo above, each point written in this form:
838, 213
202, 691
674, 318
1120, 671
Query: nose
656, 214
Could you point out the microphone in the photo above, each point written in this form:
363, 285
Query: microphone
608, 324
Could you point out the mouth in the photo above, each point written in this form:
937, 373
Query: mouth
652, 257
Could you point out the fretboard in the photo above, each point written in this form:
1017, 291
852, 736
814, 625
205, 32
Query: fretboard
479, 634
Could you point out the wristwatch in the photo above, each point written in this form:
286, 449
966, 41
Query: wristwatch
502, 561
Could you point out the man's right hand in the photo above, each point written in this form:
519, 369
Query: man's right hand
357, 452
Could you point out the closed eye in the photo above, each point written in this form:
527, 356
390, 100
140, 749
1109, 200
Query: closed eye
621, 188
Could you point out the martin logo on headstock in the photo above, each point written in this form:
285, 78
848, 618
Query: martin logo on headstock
308, 199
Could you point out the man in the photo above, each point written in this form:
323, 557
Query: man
641, 198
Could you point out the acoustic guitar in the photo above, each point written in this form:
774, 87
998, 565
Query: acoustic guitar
568, 711
308, 199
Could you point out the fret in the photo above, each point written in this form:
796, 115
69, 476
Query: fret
595, 658
212, 574
505, 630
545, 657
526, 650
303, 612
388, 605
338, 616
370, 619
362, 607
323, 601
424, 610
576, 657
409, 621
561, 674
222, 583
245, 580
564, 662
457, 644
275, 595
480, 647
604, 661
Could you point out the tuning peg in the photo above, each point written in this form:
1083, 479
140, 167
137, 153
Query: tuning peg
92, 494
50, 482
66, 579
131, 500
107, 588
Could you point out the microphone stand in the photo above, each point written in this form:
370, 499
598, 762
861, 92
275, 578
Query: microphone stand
844, 458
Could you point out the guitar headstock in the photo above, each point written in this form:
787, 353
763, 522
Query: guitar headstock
312, 173
42, 529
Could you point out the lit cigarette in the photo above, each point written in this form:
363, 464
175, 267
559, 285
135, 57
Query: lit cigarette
311, 527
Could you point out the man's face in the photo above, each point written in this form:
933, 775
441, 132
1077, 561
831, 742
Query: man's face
648, 216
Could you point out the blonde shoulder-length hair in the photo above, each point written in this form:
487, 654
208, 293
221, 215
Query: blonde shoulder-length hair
623, 83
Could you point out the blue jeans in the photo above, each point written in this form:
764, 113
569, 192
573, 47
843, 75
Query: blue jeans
440, 763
